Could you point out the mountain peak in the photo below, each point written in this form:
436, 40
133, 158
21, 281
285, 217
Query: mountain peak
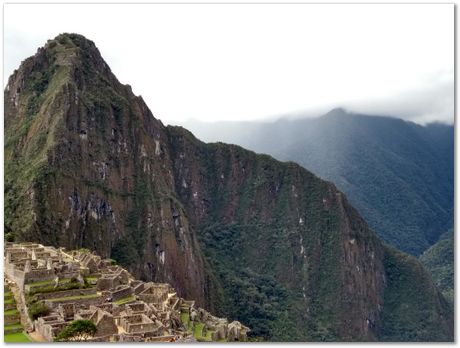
69, 62
337, 112
77, 51
67, 52
66, 41
74, 39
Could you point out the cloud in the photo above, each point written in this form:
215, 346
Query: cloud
252, 62
432, 101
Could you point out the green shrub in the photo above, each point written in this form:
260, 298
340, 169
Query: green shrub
38, 309
77, 330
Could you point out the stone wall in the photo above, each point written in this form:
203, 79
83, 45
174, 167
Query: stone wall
129, 338
106, 325
136, 308
11, 319
121, 293
167, 338
16, 254
137, 323
107, 283
8, 306
143, 327
67, 310
38, 275
69, 274
66, 293
107, 338
110, 307
82, 302
138, 288
155, 293
49, 326
14, 274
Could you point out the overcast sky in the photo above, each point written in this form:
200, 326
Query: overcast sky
247, 62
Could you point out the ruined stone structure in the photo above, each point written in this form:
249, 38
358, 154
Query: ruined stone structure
81, 285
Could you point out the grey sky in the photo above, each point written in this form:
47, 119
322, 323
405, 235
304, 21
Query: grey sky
248, 62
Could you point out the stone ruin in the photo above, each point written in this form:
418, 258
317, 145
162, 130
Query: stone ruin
122, 308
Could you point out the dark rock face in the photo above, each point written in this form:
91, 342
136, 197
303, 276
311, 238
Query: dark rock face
264, 242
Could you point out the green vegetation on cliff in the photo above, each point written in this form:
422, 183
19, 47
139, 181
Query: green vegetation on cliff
414, 309
399, 175
439, 261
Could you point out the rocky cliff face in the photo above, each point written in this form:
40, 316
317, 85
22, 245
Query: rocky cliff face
268, 243
278, 220
94, 167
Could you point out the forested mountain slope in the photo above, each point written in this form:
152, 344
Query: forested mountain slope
399, 175
439, 260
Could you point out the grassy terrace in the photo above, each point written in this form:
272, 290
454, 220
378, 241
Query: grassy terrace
92, 280
13, 326
196, 329
9, 330
185, 319
45, 283
125, 300
9, 300
11, 312
198, 333
48, 282
79, 297
19, 337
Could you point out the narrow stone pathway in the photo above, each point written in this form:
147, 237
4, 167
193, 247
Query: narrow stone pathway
25, 321
37, 337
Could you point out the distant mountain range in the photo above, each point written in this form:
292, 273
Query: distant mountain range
399, 175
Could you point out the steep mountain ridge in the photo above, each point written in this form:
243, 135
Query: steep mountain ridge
268, 243
86, 171
288, 232
399, 175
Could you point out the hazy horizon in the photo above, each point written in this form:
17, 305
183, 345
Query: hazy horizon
192, 61
296, 116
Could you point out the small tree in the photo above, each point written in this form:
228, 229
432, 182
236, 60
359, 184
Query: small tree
77, 330
38, 309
